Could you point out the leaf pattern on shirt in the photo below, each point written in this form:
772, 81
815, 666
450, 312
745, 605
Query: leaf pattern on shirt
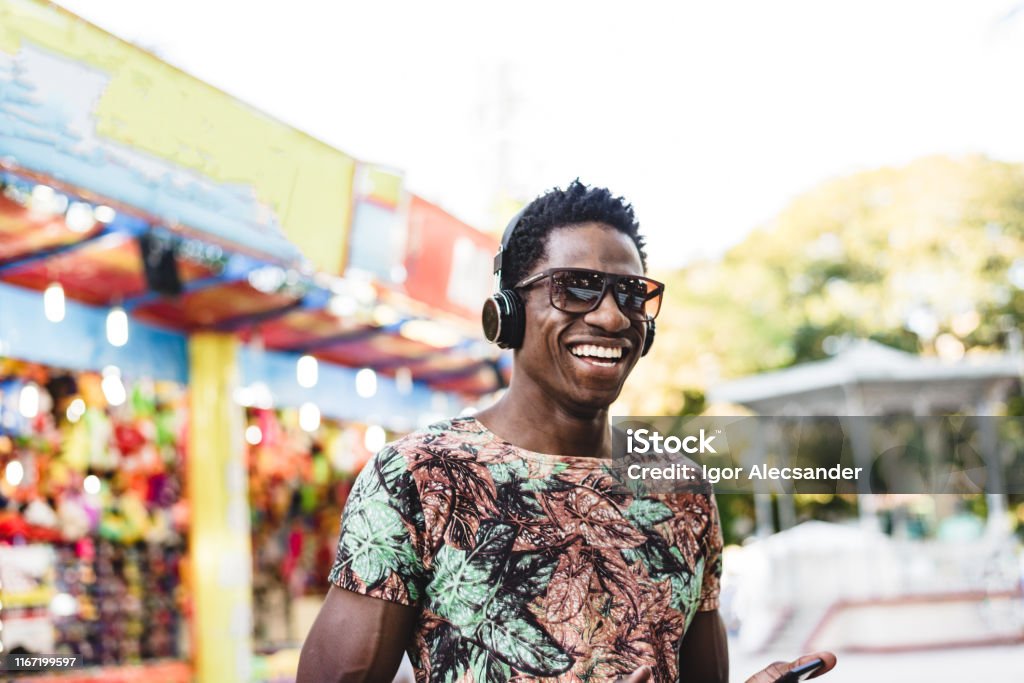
570, 586
588, 515
459, 492
689, 528
526, 566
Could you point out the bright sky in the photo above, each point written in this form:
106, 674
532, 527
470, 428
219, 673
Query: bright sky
709, 117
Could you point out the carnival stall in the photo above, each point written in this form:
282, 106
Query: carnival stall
198, 350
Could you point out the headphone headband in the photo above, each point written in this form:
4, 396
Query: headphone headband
506, 237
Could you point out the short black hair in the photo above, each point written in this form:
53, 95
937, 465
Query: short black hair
557, 208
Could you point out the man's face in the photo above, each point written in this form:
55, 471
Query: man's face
557, 352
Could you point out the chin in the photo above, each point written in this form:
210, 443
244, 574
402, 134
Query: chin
596, 400
596, 395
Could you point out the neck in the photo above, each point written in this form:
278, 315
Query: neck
527, 417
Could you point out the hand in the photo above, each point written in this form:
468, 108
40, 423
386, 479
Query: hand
641, 675
774, 671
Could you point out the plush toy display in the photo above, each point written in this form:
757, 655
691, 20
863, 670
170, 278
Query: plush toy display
102, 486
298, 485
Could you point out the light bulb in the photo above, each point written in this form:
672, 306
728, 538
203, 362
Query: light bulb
104, 214
307, 371
91, 485
76, 409
53, 302
112, 386
28, 401
268, 279
253, 435
46, 201
63, 605
366, 383
79, 217
342, 305
261, 396
375, 438
14, 472
309, 417
117, 326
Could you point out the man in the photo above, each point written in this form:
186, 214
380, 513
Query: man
497, 547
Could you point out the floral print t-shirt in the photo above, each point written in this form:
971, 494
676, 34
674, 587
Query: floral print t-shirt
526, 566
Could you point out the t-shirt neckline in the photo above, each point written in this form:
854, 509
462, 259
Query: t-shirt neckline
550, 457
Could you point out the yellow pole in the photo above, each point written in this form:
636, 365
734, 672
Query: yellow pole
219, 543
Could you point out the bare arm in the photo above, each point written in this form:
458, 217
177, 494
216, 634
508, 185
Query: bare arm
355, 639
704, 652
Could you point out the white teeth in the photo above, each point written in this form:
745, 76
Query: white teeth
594, 351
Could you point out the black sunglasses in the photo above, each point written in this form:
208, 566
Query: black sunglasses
578, 290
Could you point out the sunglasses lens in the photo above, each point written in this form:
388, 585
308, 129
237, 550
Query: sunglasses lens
638, 297
576, 292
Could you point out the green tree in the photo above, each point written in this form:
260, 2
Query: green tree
928, 258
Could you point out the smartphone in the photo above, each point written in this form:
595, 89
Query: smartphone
802, 672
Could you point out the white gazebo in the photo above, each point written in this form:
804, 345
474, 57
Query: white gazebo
870, 379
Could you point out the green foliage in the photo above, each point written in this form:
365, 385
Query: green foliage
866, 256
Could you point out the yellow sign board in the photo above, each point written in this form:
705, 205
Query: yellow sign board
99, 113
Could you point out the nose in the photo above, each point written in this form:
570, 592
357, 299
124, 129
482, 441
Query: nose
607, 315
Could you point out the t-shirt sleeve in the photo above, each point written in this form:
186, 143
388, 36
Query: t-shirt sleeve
382, 532
711, 581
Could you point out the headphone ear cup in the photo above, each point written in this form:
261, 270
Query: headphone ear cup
516, 328
648, 339
504, 319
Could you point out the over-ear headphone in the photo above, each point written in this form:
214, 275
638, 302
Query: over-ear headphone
504, 313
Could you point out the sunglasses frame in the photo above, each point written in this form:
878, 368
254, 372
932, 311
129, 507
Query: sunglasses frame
609, 280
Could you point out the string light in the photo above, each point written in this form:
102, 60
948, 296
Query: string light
92, 485
80, 217
268, 279
53, 302
28, 401
76, 409
253, 435
117, 326
256, 395
384, 315
307, 371
63, 605
366, 383
342, 305
112, 386
309, 417
45, 201
104, 214
375, 438
14, 472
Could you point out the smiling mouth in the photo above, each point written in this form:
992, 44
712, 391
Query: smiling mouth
599, 355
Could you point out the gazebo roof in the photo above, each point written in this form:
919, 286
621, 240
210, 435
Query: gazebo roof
865, 363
